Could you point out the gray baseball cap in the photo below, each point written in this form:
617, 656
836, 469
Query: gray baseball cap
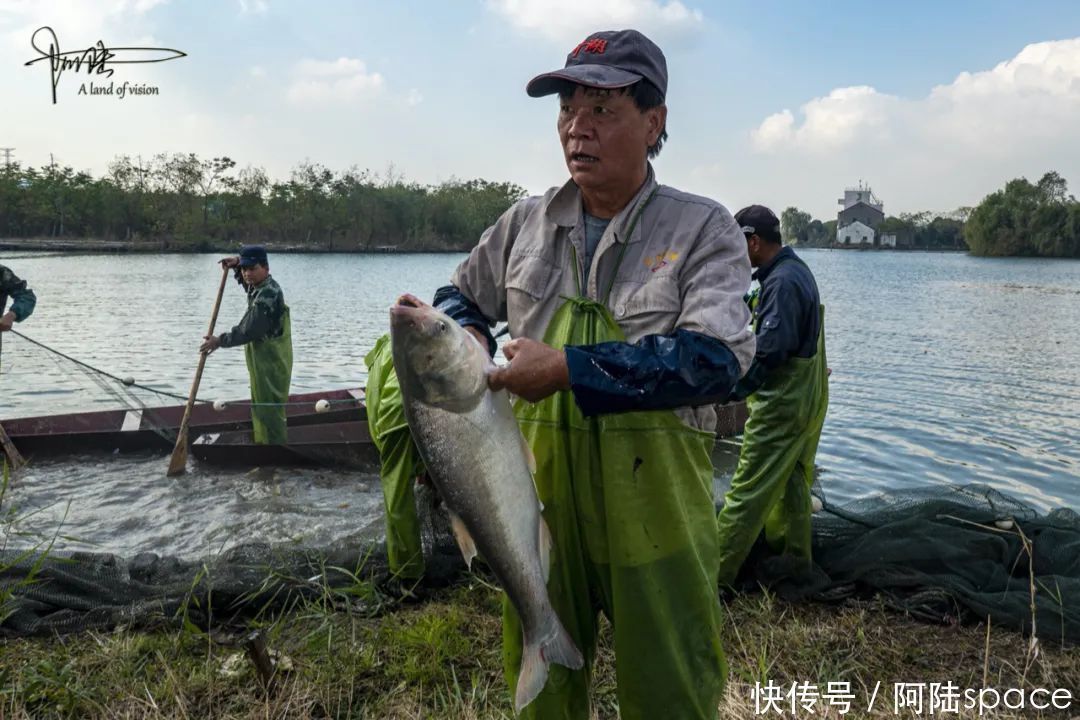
608, 60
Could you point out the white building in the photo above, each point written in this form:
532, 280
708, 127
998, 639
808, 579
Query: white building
862, 213
860, 195
855, 233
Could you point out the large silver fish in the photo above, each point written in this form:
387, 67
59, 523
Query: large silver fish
482, 467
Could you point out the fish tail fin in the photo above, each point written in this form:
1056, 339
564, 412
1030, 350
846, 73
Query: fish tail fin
559, 647
556, 647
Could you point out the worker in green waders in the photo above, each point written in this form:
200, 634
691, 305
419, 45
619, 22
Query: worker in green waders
266, 334
624, 301
23, 301
400, 465
787, 394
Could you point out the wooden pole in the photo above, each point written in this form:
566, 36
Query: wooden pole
178, 462
14, 458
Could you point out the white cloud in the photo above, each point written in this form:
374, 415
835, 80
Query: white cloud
844, 116
257, 71
978, 131
76, 22
1018, 101
341, 80
414, 98
569, 21
253, 7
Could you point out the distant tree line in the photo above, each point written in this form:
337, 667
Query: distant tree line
182, 202
1026, 219
921, 231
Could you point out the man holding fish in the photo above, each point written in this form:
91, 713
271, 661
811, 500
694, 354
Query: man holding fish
624, 301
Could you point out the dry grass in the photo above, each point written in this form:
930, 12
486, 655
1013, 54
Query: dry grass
442, 660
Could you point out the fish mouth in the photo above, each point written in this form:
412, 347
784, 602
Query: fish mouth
408, 309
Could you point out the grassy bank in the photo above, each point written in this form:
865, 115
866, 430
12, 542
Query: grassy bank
441, 659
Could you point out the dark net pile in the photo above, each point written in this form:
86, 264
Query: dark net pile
944, 554
947, 554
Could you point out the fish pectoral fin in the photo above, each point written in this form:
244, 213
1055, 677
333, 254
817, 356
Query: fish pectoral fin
464, 539
545, 548
529, 457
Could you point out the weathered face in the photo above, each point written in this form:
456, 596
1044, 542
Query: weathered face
436, 360
605, 138
753, 248
254, 274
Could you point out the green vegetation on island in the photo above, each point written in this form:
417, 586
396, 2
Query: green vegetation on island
1027, 219
182, 202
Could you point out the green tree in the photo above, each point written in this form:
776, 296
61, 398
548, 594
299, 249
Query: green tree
184, 202
830, 231
794, 224
1026, 219
816, 233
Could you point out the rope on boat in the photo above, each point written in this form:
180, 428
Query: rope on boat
163, 393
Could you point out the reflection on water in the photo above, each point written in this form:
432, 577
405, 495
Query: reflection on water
946, 368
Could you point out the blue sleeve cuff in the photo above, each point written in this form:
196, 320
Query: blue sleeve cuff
659, 372
750, 382
23, 304
450, 300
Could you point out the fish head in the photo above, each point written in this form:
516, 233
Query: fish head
437, 361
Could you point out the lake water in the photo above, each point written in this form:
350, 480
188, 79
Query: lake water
946, 369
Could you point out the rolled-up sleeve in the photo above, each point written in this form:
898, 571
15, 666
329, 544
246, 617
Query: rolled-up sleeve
23, 303
23, 300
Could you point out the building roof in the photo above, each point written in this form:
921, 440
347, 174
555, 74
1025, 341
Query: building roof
848, 210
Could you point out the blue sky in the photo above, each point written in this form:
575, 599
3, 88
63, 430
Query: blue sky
784, 103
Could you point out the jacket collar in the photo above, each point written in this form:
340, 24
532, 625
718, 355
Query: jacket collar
763, 272
566, 209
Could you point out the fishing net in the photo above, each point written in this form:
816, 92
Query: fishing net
45, 592
944, 554
948, 554
75, 385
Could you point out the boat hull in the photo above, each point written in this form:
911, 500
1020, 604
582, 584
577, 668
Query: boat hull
155, 428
